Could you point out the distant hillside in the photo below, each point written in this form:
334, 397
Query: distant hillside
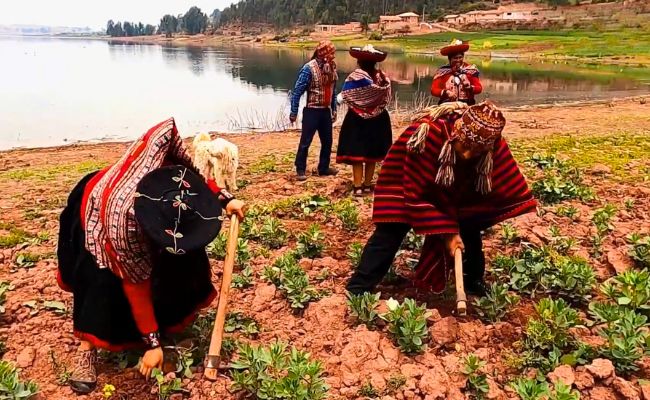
42, 30
284, 13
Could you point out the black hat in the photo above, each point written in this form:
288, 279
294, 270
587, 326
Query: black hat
177, 210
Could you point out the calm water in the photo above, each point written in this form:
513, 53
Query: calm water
57, 91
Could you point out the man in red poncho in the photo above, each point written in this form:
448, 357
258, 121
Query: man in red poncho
458, 80
449, 176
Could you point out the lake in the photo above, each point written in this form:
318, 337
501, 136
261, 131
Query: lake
56, 91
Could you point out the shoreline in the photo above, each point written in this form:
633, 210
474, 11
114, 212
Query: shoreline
635, 108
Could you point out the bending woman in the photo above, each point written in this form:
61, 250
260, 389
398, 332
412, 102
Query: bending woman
132, 250
366, 133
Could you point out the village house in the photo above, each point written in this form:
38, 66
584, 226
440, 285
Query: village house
350, 27
514, 13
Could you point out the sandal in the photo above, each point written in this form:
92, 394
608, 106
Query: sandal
84, 375
357, 191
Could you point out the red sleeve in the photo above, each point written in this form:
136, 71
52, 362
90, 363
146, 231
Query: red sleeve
438, 86
213, 186
139, 296
476, 84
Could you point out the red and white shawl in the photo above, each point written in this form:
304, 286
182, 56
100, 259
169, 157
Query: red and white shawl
112, 234
364, 96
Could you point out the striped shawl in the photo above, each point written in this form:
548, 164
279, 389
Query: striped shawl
322, 85
112, 234
364, 96
406, 192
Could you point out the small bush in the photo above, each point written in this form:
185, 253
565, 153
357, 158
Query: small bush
311, 242
166, 387
640, 250
477, 385
273, 234
346, 211
355, 250
496, 304
567, 211
217, 249
237, 321
602, 219
627, 338
11, 386
509, 234
274, 373
376, 36
407, 322
630, 289
364, 307
244, 279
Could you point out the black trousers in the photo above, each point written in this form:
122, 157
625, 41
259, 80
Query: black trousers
383, 245
315, 119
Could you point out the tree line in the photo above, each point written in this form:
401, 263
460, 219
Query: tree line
193, 22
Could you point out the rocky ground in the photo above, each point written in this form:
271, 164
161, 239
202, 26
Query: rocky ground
608, 143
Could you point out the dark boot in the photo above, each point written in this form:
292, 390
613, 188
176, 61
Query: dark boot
84, 374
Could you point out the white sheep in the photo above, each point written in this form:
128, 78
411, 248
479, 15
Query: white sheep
217, 159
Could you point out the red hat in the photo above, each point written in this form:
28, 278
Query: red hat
368, 53
455, 47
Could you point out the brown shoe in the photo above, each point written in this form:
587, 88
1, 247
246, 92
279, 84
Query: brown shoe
84, 375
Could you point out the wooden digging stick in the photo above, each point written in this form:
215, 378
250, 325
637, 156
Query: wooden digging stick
213, 359
461, 298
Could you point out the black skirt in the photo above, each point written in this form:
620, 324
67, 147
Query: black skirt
364, 140
181, 286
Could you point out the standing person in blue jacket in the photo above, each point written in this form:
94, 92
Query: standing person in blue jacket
318, 78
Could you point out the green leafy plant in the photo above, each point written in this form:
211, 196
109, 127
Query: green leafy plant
274, 372
292, 280
640, 249
627, 340
201, 331
369, 391
597, 245
602, 219
311, 242
530, 389
244, 279
629, 204
564, 392
543, 270
496, 303
184, 360
243, 253
407, 322
477, 385
237, 321
364, 307
26, 260
273, 234
560, 181
346, 211
311, 204
11, 386
108, 391
567, 211
166, 387
355, 250
217, 248
264, 165
509, 233
630, 289
413, 241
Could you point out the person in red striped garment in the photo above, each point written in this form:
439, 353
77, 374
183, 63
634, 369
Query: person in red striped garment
449, 176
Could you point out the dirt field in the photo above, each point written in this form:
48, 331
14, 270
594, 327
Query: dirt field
607, 143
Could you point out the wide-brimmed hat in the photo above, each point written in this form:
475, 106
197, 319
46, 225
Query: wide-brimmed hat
368, 53
176, 209
455, 47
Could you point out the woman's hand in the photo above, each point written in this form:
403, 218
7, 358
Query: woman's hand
236, 207
453, 242
466, 83
152, 359
450, 95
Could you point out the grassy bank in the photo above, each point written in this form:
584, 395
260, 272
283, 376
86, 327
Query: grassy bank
622, 45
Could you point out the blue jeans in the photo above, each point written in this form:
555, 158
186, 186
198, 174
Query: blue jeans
315, 119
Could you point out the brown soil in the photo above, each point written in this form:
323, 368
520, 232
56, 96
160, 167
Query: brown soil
351, 355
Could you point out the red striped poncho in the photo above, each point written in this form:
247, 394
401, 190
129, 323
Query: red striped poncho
406, 192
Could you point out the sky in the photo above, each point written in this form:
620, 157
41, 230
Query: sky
95, 13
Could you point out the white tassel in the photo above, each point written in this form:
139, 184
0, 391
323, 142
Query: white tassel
417, 141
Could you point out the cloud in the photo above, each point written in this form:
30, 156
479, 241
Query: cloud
94, 13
